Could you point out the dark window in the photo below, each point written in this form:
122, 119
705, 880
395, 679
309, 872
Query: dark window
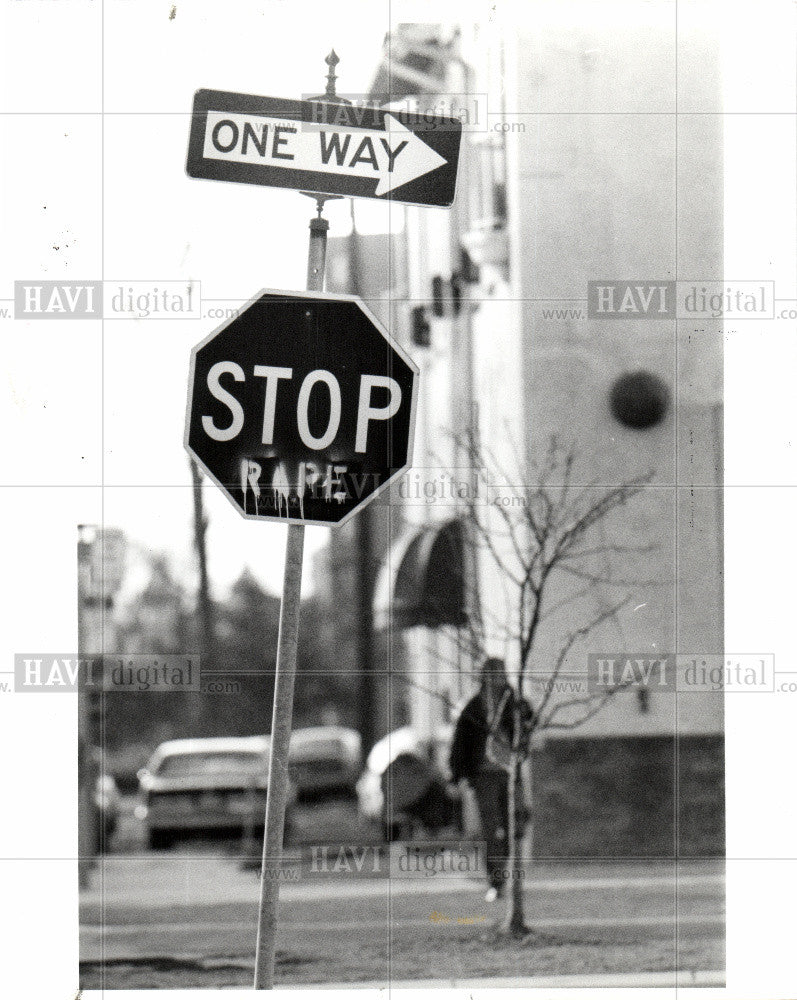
421, 328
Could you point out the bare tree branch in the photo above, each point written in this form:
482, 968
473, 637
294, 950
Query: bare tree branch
608, 502
612, 548
593, 705
611, 581
571, 639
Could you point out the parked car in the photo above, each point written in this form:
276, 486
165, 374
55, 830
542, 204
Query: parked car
405, 784
108, 803
205, 786
324, 760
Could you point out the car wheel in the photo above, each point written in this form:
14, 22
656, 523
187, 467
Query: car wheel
259, 832
101, 843
104, 837
391, 832
289, 830
160, 840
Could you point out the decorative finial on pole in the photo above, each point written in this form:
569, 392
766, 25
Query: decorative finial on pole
332, 61
330, 96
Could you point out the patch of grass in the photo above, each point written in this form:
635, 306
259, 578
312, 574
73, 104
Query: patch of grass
412, 953
178, 973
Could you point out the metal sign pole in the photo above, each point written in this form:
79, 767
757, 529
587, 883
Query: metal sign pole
283, 690
278, 764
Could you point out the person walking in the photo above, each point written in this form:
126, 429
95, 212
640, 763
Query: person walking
480, 754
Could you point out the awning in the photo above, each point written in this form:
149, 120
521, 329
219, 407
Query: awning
422, 580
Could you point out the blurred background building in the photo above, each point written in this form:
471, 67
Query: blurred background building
574, 168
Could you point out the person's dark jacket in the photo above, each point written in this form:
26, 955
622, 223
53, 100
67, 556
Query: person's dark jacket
467, 755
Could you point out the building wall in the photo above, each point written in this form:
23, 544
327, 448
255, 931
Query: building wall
616, 797
605, 185
601, 181
373, 264
590, 147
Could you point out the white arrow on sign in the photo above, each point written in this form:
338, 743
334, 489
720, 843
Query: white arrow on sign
395, 155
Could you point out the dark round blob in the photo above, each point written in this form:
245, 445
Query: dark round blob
639, 399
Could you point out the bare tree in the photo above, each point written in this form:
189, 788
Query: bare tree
541, 535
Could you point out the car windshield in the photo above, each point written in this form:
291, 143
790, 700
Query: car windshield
317, 748
214, 762
389, 747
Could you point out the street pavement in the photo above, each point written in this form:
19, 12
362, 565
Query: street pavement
201, 904
187, 917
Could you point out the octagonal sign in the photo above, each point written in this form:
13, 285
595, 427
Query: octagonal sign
301, 408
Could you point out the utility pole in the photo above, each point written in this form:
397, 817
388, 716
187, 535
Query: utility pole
205, 607
100, 567
89, 643
364, 563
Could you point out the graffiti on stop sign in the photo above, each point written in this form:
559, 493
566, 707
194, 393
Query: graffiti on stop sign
302, 407
282, 486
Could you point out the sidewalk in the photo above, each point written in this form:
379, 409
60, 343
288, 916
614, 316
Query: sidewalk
154, 881
198, 915
191, 924
640, 980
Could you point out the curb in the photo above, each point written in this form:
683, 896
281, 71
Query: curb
633, 980
602, 980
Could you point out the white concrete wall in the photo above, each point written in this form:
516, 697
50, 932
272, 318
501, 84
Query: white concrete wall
608, 186
601, 183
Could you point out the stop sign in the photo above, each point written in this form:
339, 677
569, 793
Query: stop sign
301, 408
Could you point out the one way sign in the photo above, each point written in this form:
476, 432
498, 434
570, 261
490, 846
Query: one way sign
324, 148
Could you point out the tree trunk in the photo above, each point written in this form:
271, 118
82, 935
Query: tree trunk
514, 922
